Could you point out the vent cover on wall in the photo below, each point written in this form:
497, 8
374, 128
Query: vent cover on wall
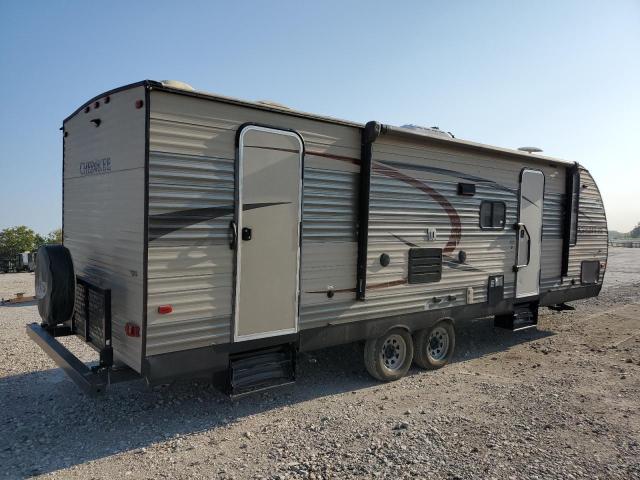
425, 265
589, 271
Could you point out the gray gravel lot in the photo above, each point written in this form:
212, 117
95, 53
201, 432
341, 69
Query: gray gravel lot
558, 402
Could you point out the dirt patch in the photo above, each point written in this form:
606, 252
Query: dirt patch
13, 283
558, 402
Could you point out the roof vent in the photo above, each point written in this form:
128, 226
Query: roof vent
428, 130
530, 149
271, 103
177, 84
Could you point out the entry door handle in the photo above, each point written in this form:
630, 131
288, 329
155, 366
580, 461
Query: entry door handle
246, 234
522, 231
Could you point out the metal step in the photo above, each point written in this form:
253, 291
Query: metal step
260, 370
523, 317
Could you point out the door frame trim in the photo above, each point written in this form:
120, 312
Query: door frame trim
242, 130
544, 186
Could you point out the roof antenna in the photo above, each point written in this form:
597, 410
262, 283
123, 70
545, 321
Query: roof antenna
530, 149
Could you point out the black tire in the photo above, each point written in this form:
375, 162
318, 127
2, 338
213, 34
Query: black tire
383, 357
55, 284
434, 346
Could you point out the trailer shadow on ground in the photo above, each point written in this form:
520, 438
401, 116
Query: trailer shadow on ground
57, 426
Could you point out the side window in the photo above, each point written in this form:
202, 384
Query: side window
499, 215
575, 203
492, 215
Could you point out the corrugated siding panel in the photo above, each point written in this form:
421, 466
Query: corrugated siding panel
552, 233
104, 214
329, 249
329, 212
190, 263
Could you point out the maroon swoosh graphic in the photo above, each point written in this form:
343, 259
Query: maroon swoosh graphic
454, 218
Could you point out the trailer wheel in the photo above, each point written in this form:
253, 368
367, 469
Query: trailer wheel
435, 345
389, 356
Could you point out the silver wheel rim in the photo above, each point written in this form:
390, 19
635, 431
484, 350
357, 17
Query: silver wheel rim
394, 352
438, 344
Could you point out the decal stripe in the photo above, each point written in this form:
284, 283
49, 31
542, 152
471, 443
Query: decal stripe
253, 206
186, 218
406, 242
528, 200
455, 264
454, 218
453, 173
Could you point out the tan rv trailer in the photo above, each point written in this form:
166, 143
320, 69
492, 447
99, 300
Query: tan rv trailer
215, 237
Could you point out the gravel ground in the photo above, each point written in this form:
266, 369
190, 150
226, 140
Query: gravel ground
558, 402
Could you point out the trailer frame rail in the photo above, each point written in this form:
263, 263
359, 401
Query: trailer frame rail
82, 375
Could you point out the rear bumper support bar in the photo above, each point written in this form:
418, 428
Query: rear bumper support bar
89, 380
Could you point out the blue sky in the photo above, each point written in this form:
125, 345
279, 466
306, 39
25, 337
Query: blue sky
561, 75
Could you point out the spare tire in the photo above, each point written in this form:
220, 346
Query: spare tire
55, 284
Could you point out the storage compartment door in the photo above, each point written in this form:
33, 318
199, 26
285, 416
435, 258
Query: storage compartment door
268, 213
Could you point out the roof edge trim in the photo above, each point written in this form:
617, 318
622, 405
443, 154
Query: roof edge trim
375, 130
143, 83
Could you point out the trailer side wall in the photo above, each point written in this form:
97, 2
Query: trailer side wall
414, 202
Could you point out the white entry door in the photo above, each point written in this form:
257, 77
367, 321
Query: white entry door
268, 214
529, 231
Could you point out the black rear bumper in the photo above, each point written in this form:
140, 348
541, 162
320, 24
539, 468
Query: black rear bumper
91, 381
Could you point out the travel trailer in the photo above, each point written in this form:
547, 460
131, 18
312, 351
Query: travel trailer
26, 261
206, 236
7, 265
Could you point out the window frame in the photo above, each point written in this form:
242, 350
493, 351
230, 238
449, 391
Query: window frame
492, 203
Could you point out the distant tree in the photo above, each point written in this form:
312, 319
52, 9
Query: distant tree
635, 233
40, 240
16, 240
55, 236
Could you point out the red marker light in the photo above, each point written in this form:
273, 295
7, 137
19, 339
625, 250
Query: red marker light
107, 99
96, 105
139, 103
164, 309
132, 330
87, 109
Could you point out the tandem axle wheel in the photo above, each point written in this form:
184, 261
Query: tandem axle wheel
389, 356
